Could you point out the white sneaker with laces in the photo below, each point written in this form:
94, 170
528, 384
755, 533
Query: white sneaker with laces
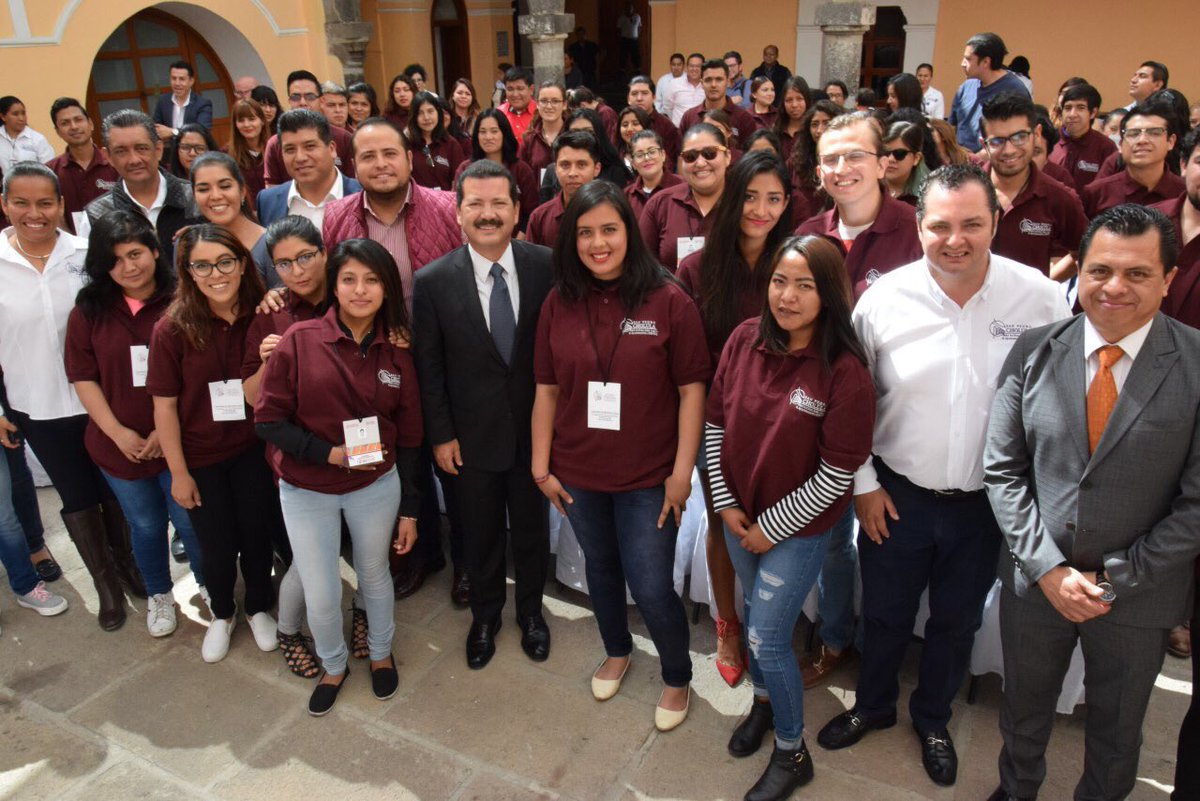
264, 628
160, 614
216, 641
42, 601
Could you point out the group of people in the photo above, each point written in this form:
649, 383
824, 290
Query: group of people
844, 320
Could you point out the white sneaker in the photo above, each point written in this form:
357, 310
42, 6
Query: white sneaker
160, 614
216, 641
42, 601
264, 628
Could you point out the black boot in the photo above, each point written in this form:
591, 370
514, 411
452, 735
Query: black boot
748, 736
86, 529
786, 771
122, 549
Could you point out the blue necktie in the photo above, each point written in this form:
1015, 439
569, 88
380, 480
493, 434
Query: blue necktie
500, 309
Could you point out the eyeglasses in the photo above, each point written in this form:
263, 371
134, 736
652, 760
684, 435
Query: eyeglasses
301, 261
550, 102
203, 269
708, 153
1133, 134
899, 154
1018, 140
308, 97
647, 154
855, 158
194, 149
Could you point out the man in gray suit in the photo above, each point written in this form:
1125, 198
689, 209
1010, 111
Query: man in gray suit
1092, 467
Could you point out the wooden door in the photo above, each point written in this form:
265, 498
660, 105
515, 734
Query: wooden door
883, 51
452, 48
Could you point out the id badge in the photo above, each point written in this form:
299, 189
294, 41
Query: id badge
139, 361
228, 403
362, 441
604, 406
687, 245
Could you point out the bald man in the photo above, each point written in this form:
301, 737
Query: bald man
243, 86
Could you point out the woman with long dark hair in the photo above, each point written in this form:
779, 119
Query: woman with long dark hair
435, 153
130, 285
537, 144
649, 159
788, 421
464, 105
904, 91
361, 103
763, 108
493, 139
248, 143
340, 406
630, 120
190, 143
219, 189
620, 364
790, 122
269, 101
401, 92
906, 169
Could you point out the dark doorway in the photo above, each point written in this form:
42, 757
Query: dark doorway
451, 46
883, 50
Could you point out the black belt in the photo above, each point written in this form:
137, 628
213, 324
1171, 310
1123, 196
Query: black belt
941, 495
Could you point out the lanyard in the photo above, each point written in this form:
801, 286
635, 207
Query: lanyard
605, 370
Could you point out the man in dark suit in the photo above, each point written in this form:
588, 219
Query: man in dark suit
181, 105
1092, 467
308, 153
475, 313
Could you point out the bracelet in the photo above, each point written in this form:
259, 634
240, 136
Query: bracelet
541, 479
402, 517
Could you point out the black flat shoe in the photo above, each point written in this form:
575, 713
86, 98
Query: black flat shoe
385, 680
787, 771
1001, 795
481, 644
848, 728
938, 756
325, 695
48, 569
748, 736
535, 637
178, 552
460, 589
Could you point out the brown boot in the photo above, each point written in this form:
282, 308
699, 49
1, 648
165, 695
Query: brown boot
121, 546
86, 529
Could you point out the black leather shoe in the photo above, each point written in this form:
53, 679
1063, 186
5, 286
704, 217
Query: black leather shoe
535, 637
48, 569
410, 578
460, 590
385, 680
748, 736
1001, 795
848, 728
325, 695
938, 756
481, 643
178, 552
786, 771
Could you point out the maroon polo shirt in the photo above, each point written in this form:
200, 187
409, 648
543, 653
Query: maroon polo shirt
668, 216
256, 181
399, 118
609, 118
659, 348
275, 173
669, 134
436, 169
1046, 220
296, 310
1082, 157
1183, 298
766, 119
536, 153
527, 186
1116, 189
332, 383
750, 303
740, 120
1110, 165
1060, 174
80, 187
799, 415
891, 241
639, 197
545, 221
99, 350
178, 370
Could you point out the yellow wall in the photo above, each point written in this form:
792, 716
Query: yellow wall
1104, 45
712, 27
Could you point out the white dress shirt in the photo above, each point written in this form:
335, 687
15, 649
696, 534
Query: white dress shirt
156, 207
936, 366
314, 211
33, 326
484, 281
29, 145
1131, 344
933, 104
660, 92
681, 96
178, 109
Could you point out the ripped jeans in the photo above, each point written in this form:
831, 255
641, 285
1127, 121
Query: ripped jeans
775, 585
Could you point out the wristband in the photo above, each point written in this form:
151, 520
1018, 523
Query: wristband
541, 479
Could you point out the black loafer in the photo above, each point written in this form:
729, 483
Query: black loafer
481, 643
786, 771
48, 570
460, 589
385, 680
848, 728
535, 637
178, 552
938, 756
1001, 795
748, 736
325, 695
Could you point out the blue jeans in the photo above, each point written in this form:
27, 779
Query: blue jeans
836, 585
314, 525
774, 585
148, 505
14, 551
621, 543
24, 498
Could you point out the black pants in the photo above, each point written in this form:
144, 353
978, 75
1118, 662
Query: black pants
484, 498
236, 522
1187, 763
59, 447
429, 519
629, 47
24, 498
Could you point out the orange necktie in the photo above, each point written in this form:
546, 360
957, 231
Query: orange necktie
1102, 395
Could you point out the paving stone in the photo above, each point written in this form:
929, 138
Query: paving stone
490, 788
133, 781
40, 759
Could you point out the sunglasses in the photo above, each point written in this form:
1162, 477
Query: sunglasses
900, 153
708, 153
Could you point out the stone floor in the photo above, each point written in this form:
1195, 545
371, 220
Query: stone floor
86, 714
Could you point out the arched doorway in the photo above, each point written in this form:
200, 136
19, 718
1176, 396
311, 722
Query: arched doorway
131, 68
451, 44
883, 50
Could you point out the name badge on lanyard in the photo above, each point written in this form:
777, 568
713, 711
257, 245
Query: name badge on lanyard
139, 362
687, 245
228, 403
604, 406
362, 441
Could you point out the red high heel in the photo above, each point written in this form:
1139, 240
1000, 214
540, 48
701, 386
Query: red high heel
731, 673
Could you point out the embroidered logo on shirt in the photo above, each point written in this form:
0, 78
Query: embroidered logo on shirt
104, 185
873, 275
647, 328
1002, 330
389, 379
1087, 166
442, 160
1036, 228
806, 403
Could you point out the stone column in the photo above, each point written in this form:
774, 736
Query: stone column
347, 36
843, 25
546, 28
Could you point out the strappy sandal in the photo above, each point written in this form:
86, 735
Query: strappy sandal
358, 633
298, 655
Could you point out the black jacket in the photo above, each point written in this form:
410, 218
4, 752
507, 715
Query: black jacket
178, 210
